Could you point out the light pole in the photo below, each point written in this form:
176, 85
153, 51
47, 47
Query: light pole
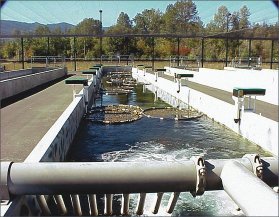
101, 32
227, 39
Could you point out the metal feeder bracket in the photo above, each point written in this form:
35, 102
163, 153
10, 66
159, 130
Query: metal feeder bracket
201, 172
257, 164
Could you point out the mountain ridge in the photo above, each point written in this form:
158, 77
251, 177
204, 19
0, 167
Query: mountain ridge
9, 27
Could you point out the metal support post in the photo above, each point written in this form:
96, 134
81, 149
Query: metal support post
101, 38
76, 204
172, 201
127, 49
143, 88
125, 204
156, 76
158, 202
43, 205
108, 204
48, 46
178, 51
60, 204
93, 205
202, 53
238, 102
75, 54
86, 97
271, 54
22, 53
153, 53
252, 195
249, 51
179, 84
227, 39
141, 202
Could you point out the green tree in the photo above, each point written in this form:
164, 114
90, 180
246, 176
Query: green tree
124, 21
182, 17
219, 22
216, 48
10, 50
119, 44
39, 45
244, 15
86, 47
149, 21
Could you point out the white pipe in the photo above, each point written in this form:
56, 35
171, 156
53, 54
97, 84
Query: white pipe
250, 193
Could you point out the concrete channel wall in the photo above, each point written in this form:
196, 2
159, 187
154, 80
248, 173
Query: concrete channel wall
255, 128
230, 77
24, 80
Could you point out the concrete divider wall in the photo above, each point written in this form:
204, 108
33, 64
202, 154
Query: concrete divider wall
22, 72
53, 147
257, 129
13, 86
56, 142
229, 78
13, 74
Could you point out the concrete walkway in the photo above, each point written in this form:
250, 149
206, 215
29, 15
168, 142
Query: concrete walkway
26, 121
265, 109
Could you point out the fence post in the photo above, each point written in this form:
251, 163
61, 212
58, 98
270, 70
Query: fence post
271, 54
127, 49
249, 48
75, 54
48, 46
153, 53
178, 51
22, 54
202, 52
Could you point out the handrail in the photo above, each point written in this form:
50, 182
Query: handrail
119, 177
108, 178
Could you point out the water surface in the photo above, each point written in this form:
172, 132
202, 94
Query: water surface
162, 140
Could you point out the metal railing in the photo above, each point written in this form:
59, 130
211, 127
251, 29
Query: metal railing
109, 178
47, 61
184, 62
247, 62
117, 59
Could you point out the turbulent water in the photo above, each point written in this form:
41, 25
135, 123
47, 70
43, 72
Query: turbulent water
162, 140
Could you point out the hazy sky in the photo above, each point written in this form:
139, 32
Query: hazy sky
47, 12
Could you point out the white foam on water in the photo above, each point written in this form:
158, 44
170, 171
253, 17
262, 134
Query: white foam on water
153, 151
210, 203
